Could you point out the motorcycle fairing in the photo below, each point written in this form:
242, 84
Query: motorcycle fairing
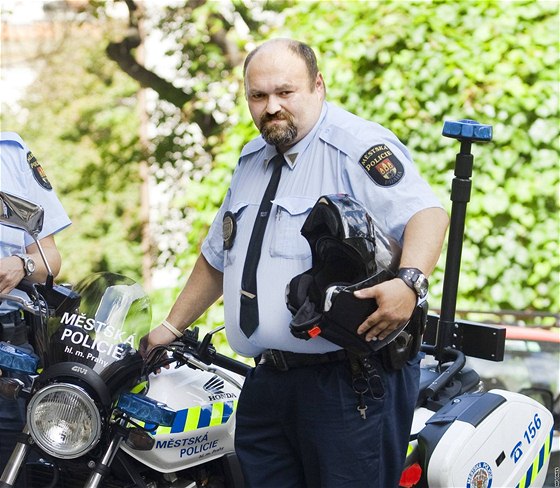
204, 424
496, 444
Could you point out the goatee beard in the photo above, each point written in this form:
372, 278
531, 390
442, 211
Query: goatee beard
278, 135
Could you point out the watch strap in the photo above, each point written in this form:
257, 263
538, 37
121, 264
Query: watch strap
415, 280
28, 264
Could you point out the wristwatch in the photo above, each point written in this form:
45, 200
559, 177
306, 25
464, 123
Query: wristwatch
415, 279
28, 264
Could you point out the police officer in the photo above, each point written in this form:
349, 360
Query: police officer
297, 422
22, 175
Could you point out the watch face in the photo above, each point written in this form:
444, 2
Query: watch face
416, 280
421, 286
28, 264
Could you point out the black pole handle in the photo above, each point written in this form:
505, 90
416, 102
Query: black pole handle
467, 131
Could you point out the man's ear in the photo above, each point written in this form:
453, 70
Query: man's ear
320, 85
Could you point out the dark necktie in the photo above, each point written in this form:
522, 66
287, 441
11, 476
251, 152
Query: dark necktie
249, 314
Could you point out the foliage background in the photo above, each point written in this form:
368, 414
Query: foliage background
407, 65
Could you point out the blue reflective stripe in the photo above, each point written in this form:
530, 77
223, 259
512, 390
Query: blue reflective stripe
180, 419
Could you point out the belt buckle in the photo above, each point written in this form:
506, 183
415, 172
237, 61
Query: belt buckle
279, 360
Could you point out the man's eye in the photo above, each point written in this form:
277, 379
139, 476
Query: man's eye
257, 96
286, 93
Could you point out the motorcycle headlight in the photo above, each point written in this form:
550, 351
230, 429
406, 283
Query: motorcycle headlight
64, 420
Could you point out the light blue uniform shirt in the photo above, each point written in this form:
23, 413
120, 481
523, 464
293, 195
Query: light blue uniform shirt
342, 154
23, 176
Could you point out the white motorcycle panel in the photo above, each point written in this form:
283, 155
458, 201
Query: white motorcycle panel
204, 425
510, 446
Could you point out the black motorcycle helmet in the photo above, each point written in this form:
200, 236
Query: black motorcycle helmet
349, 252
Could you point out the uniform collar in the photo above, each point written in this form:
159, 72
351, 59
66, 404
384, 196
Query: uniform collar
293, 155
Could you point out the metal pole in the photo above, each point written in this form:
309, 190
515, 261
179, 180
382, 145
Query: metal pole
466, 131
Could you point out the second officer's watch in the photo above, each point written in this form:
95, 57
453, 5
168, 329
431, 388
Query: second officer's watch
415, 279
28, 264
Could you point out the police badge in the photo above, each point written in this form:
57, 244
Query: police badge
229, 227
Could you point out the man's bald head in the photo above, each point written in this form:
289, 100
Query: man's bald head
300, 49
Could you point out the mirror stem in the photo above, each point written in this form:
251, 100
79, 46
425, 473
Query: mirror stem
50, 277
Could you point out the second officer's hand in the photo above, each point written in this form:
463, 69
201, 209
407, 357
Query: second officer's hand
11, 273
395, 304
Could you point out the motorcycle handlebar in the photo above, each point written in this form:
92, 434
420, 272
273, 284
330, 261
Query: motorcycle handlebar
26, 305
230, 364
204, 351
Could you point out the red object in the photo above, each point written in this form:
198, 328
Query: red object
410, 476
314, 332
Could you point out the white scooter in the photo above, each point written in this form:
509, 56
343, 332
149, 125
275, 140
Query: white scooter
463, 436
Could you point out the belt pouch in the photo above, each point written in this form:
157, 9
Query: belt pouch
407, 344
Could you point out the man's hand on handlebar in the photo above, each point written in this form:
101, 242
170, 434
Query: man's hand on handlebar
159, 336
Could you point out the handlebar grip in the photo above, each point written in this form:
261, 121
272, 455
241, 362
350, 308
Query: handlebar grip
26, 286
444, 378
230, 364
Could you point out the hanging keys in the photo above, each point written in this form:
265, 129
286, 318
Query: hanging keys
362, 407
360, 386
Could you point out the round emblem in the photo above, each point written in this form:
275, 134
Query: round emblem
382, 165
480, 476
228, 230
38, 171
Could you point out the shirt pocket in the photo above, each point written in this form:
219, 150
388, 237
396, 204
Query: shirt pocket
287, 241
238, 211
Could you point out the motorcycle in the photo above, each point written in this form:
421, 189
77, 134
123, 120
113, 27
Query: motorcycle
97, 416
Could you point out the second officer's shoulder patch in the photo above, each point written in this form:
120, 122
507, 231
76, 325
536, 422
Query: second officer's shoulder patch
382, 165
38, 171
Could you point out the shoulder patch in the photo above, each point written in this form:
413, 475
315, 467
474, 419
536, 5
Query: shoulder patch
382, 165
38, 172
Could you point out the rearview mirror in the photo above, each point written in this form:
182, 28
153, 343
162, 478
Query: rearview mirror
21, 214
27, 216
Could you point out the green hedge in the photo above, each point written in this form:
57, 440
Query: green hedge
412, 65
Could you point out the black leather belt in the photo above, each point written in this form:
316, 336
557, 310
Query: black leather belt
13, 328
283, 360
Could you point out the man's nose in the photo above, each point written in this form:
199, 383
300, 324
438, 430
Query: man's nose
273, 105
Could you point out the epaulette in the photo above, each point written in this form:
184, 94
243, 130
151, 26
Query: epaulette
252, 147
374, 154
11, 137
344, 141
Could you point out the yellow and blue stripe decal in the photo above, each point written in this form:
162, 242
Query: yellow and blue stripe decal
197, 417
537, 464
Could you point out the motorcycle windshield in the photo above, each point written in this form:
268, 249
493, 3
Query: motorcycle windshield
105, 330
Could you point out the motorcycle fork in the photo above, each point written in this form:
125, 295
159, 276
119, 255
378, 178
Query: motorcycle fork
12, 469
101, 468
